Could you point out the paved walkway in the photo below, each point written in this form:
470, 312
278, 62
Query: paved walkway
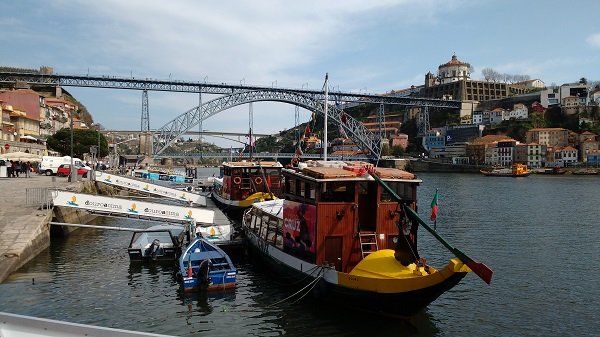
21, 225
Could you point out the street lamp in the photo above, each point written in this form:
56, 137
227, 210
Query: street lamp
71, 174
97, 127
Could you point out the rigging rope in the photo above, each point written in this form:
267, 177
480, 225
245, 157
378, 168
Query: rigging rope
310, 274
311, 284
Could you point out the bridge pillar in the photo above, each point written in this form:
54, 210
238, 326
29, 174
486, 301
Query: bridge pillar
145, 112
145, 143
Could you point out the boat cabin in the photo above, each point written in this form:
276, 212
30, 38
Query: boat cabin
337, 215
242, 179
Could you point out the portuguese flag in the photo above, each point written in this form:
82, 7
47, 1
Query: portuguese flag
434, 206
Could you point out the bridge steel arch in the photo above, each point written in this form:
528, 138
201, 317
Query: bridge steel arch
168, 133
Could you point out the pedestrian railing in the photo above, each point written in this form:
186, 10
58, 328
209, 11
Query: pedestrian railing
39, 197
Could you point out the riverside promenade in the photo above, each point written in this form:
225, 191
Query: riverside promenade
24, 229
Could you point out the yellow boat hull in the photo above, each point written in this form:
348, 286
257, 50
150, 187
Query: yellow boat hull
380, 272
381, 284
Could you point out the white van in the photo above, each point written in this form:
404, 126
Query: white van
50, 164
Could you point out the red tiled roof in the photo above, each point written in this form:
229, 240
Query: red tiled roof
454, 61
489, 139
548, 129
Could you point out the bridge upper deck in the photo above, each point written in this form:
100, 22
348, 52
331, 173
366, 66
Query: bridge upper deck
133, 83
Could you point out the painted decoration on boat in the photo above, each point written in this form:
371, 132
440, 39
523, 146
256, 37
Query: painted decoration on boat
226, 187
299, 229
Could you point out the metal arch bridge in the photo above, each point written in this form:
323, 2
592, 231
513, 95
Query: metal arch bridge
233, 95
170, 132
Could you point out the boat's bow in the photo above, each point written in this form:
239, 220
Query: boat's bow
382, 272
385, 285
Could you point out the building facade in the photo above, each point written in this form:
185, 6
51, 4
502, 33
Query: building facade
565, 156
555, 96
593, 158
533, 155
555, 137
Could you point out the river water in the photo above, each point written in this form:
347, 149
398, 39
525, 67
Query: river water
539, 234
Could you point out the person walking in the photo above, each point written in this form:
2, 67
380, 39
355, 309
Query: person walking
9, 169
24, 169
16, 168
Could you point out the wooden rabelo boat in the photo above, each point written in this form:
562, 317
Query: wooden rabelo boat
245, 182
516, 170
354, 236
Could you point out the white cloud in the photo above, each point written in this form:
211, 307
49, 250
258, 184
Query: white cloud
228, 42
593, 40
259, 41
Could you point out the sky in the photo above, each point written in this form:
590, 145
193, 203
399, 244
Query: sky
369, 46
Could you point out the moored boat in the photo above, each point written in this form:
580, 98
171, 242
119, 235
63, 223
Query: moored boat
587, 171
204, 266
516, 170
246, 182
551, 170
345, 232
157, 243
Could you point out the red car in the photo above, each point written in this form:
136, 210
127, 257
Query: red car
65, 169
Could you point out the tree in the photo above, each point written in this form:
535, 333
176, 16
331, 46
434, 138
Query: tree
397, 151
490, 74
83, 139
266, 144
385, 150
554, 117
537, 120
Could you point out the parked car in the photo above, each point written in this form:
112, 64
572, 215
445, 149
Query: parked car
50, 164
65, 169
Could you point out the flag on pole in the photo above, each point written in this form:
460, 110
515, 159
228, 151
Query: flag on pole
434, 206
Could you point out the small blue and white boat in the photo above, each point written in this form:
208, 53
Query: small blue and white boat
205, 267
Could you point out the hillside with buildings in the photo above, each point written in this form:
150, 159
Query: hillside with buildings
30, 115
504, 123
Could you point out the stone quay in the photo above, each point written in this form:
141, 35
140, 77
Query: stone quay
24, 228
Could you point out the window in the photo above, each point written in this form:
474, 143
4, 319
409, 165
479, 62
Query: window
290, 185
312, 192
403, 190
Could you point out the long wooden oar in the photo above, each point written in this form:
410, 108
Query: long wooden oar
480, 269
